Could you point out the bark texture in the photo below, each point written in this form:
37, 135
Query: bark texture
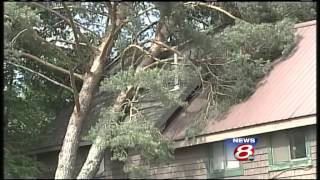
97, 149
67, 155
93, 161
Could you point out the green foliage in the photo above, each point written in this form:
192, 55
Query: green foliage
139, 134
25, 123
19, 166
165, 8
264, 40
136, 132
250, 49
29, 108
18, 25
30, 101
151, 80
239, 56
17, 18
270, 12
244, 53
199, 122
31, 104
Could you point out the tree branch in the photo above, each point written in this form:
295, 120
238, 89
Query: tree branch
162, 61
144, 11
69, 42
74, 29
15, 38
75, 91
116, 26
173, 49
41, 75
65, 56
139, 48
96, 150
53, 11
199, 20
83, 8
49, 65
147, 14
61, 16
68, 153
213, 7
76, 32
143, 30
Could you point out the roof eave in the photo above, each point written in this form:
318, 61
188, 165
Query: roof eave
304, 24
248, 131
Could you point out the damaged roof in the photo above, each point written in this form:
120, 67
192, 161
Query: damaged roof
148, 105
288, 91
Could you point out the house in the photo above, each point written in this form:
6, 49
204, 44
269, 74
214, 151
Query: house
281, 114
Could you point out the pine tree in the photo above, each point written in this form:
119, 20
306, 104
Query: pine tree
117, 48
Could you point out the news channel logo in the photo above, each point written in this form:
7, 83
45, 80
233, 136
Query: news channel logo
242, 149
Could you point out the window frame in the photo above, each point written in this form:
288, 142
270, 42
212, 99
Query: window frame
292, 163
226, 172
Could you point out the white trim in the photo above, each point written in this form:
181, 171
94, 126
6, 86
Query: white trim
247, 131
304, 24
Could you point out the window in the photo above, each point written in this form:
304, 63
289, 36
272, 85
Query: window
297, 145
222, 161
289, 149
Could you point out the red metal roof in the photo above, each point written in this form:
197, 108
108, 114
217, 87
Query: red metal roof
288, 91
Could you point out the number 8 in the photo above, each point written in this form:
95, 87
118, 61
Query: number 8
246, 148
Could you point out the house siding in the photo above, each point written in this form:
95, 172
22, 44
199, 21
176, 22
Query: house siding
113, 169
50, 162
188, 162
192, 162
306, 173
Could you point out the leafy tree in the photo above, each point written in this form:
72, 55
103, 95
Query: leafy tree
30, 101
271, 12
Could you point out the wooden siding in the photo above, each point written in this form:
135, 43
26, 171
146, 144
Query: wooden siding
192, 163
306, 173
113, 169
50, 162
188, 162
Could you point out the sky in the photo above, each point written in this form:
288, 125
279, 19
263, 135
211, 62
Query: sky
100, 29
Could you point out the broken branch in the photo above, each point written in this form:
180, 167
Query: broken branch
61, 16
49, 65
74, 89
76, 32
212, 7
143, 30
41, 75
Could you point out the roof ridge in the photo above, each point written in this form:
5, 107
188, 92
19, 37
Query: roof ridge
304, 24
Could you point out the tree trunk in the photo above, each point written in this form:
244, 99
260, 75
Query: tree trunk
68, 153
96, 152
155, 49
97, 149
93, 160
